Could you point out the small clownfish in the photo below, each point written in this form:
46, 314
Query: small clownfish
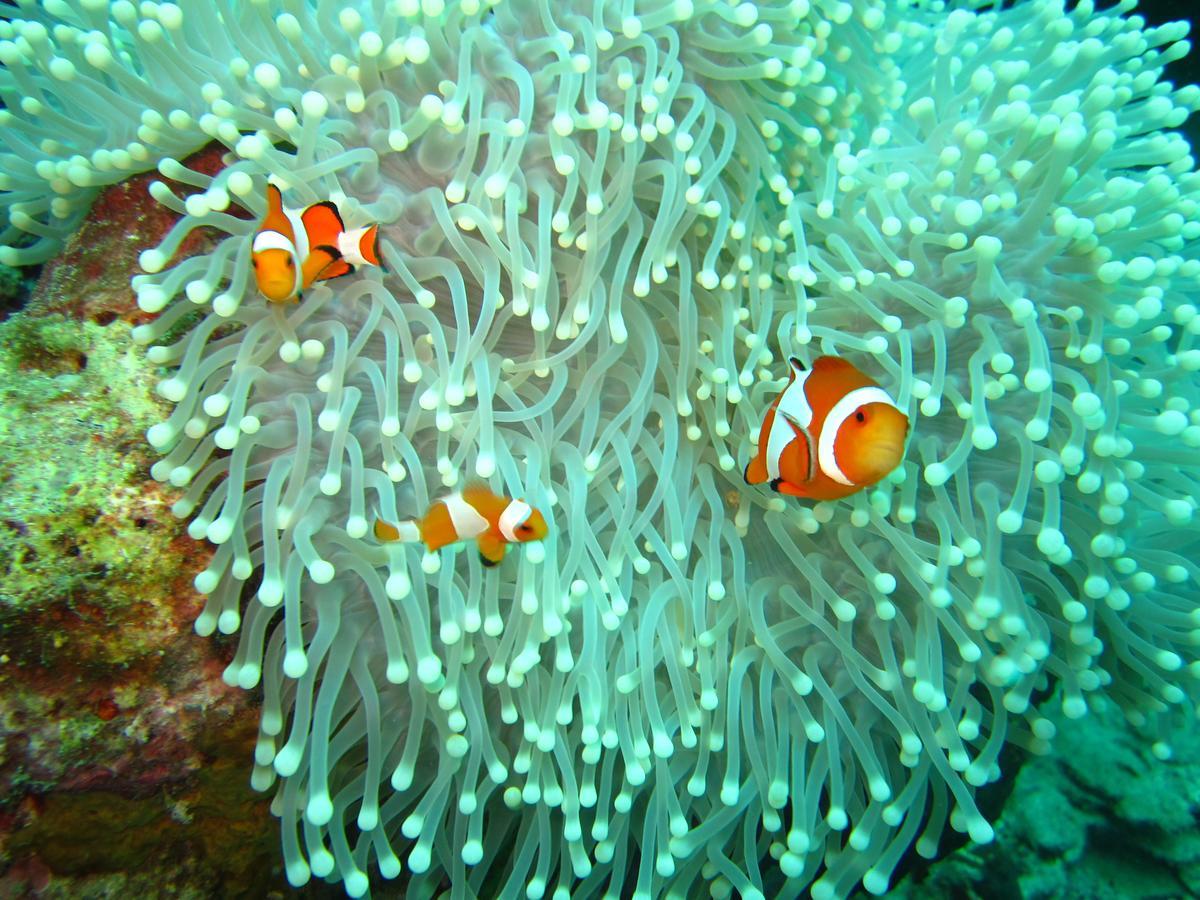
294, 248
476, 513
832, 432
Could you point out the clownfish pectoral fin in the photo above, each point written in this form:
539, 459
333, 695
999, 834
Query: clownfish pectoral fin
335, 269
491, 549
324, 263
318, 259
798, 456
323, 223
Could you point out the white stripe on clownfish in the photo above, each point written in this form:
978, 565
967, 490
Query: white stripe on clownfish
514, 515
465, 518
839, 413
793, 405
301, 249
350, 246
272, 240
409, 531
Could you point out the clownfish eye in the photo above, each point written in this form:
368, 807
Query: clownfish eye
524, 528
860, 417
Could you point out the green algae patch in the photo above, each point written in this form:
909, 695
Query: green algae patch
14, 289
50, 345
120, 747
82, 534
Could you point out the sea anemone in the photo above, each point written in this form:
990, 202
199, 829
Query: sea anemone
604, 227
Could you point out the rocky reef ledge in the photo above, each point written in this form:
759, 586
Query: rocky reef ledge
121, 750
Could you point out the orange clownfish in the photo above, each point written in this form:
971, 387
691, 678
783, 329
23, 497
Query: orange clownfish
476, 513
833, 431
294, 248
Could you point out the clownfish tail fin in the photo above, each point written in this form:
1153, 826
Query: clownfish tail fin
755, 471
408, 532
368, 245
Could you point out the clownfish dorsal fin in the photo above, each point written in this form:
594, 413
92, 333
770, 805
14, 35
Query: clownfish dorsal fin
323, 223
477, 487
276, 219
485, 501
832, 364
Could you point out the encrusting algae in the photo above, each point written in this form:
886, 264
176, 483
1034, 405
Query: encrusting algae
119, 744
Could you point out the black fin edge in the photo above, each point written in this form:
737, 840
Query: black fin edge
797, 364
336, 254
488, 563
774, 484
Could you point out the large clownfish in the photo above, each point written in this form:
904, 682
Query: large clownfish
833, 431
477, 513
294, 248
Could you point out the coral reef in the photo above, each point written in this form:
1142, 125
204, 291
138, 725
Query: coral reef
119, 741
89, 279
1102, 818
602, 230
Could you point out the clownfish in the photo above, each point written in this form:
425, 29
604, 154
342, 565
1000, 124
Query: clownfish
832, 432
476, 513
294, 248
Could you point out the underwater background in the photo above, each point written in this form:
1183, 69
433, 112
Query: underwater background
134, 758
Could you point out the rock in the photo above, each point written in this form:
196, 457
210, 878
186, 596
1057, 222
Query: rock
90, 278
122, 753
1100, 817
